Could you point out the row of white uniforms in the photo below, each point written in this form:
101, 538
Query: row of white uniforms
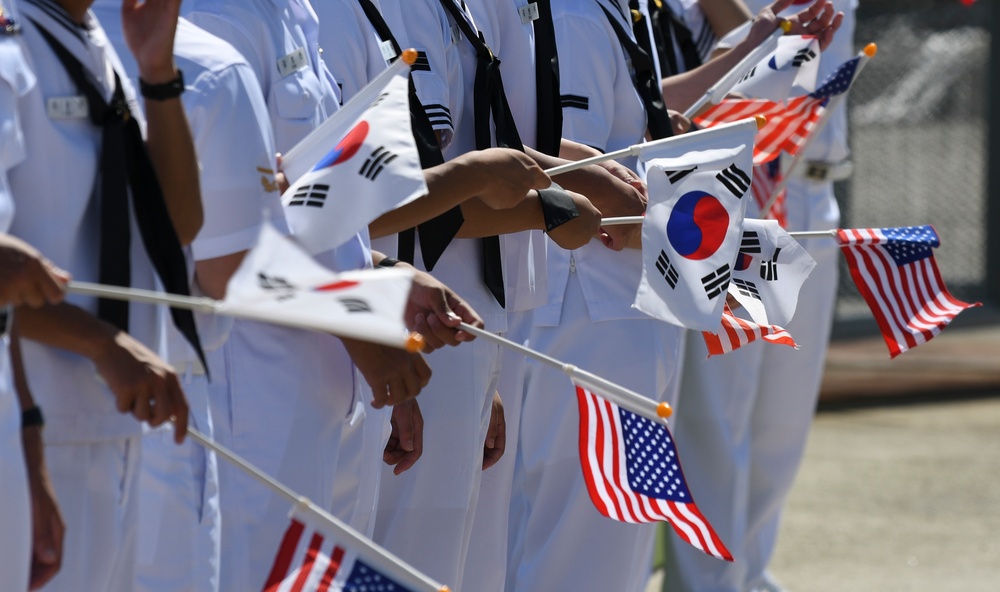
16, 79
180, 514
286, 395
558, 540
747, 414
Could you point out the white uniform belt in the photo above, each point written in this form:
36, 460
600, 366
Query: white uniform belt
189, 369
822, 172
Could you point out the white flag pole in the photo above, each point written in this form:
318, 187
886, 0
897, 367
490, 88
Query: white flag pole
621, 396
721, 88
831, 107
413, 343
303, 156
622, 220
675, 142
393, 566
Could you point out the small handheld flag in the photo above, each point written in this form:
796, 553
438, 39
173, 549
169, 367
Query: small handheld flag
633, 472
735, 332
895, 272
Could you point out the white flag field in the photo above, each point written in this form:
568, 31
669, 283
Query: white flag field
361, 163
280, 283
698, 191
790, 70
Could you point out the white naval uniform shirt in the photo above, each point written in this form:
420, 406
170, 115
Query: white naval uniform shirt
444, 76
691, 14
352, 49
280, 41
600, 109
59, 216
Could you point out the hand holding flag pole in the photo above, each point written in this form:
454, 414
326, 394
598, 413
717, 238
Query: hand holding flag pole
831, 107
675, 142
622, 220
617, 394
721, 88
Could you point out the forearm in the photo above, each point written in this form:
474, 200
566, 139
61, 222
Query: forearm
67, 327
482, 220
171, 150
24, 397
681, 91
724, 15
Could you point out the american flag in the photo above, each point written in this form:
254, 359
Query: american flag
766, 177
788, 124
309, 561
737, 332
894, 270
633, 473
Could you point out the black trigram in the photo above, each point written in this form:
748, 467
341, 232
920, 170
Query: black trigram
378, 160
313, 196
803, 56
378, 99
716, 282
747, 288
355, 304
668, 271
749, 74
735, 180
769, 268
750, 242
675, 176
273, 282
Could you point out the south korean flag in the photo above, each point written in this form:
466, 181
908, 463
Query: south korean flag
788, 71
362, 162
698, 191
769, 272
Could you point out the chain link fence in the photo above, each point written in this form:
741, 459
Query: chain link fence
919, 125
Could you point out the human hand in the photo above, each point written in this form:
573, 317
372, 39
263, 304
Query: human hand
578, 231
816, 19
47, 523
496, 437
149, 27
394, 375
506, 176
143, 384
406, 442
434, 310
633, 203
27, 277
679, 122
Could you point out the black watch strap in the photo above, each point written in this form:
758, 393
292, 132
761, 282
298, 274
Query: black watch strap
165, 91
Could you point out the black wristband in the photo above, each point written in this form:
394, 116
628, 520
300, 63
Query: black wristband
162, 92
388, 262
32, 417
557, 207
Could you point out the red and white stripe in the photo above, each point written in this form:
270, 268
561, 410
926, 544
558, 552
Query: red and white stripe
910, 303
788, 124
737, 332
602, 456
762, 188
308, 561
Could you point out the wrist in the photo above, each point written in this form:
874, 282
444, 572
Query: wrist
32, 418
158, 73
162, 91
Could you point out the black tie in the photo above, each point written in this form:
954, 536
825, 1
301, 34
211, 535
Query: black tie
437, 233
668, 29
547, 81
645, 82
122, 143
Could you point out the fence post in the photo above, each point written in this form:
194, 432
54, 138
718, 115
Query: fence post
993, 158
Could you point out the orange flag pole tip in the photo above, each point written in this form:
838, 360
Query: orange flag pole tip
664, 410
761, 121
871, 49
409, 56
414, 343
444, 589
786, 25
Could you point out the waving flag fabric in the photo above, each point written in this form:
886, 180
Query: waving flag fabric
895, 272
368, 166
766, 178
279, 283
633, 473
791, 69
788, 124
691, 231
735, 332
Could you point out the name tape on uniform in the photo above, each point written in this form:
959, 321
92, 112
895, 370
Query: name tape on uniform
293, 62
528, 13
387, 50
67, 107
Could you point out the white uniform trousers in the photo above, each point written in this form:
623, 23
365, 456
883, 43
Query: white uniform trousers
15, 519
282, 409
97, 488
359, 468
558, 540
179, 515
425, 515
743, 420
486, 561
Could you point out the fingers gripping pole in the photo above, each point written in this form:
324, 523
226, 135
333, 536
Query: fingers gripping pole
617, 394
